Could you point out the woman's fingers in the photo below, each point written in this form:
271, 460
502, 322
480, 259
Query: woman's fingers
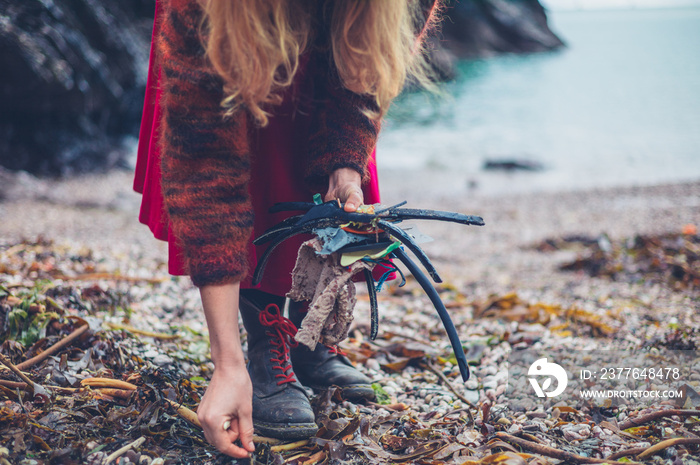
245, 423
352, 196
344, 184
232, 435
224, 439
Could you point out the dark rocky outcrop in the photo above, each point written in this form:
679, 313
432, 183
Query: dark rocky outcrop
481, 28
72, 81
74, 71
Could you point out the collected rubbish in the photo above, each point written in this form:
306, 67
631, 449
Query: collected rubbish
368, 237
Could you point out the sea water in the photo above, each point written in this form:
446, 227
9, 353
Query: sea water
620, 105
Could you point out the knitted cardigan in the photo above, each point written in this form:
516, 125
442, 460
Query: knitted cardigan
206, 157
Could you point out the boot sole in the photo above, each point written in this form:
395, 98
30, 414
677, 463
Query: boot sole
359, 392
352, 392
285, 431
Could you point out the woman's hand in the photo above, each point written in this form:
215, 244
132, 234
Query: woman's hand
345, 184
228, 401
226, 410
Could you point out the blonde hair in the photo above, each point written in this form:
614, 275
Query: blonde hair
254, 45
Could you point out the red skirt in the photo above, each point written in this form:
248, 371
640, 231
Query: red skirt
276, 176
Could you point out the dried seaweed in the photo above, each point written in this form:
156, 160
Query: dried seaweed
672, 258
564, 320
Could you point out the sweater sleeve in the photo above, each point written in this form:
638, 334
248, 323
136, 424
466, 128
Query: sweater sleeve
205, 158
342, 135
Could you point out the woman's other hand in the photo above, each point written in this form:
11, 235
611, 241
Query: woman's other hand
228, 402
345, 184
226, 410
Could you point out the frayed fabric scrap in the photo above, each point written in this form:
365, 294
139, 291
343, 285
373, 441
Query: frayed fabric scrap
328, 285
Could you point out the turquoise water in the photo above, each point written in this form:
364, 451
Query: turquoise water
619, 106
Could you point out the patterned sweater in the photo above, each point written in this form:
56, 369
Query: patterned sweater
206, 159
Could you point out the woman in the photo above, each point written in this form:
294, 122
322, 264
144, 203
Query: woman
253, 102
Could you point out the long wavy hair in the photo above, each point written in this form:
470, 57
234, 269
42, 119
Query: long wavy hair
254, 45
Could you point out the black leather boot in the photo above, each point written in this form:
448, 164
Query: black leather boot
281, 407
325, 366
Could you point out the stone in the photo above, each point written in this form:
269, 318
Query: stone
472, 396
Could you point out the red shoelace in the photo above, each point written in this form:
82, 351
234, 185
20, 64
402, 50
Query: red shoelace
336, 350
282, 338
